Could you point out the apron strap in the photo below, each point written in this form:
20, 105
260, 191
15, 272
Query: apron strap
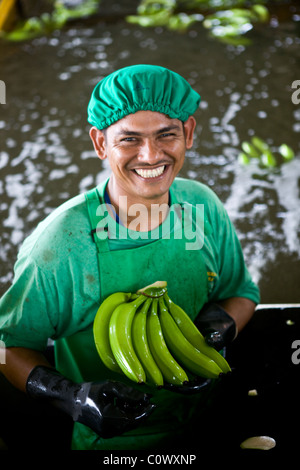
99, 232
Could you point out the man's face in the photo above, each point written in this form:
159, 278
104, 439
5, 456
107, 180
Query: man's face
146, 150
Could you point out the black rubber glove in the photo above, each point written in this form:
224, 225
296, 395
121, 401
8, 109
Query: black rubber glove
109, 408
218, 328
198, 384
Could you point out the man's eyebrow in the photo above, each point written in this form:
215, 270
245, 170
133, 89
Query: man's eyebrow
159, 131
127, 132
174, 127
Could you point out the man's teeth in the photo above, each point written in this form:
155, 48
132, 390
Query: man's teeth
151, 173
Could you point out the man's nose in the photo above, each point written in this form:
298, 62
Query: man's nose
149, 152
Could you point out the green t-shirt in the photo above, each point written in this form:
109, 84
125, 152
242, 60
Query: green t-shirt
56, 294
55, 291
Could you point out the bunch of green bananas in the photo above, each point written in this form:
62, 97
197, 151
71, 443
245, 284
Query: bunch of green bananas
259, 149
152, 340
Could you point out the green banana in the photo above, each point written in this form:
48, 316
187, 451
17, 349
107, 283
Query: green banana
101, 328
193, 335
267, 159
182, 349
121, 342
141, 346
171, 370
260, 144
286, 152
250, 150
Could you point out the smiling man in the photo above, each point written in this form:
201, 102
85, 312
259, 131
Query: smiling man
146, 150
92, 246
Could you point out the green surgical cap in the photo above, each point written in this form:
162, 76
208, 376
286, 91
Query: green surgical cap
141, 88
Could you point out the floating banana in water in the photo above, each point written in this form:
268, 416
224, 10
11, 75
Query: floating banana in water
258, 442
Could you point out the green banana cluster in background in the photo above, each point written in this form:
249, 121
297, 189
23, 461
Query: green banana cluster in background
259, 149
226, 20
48, 22
152, 340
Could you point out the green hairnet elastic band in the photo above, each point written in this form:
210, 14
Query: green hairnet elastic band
141, 88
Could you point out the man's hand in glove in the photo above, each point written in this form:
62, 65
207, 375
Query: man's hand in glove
220, 322
109, 408
216, 325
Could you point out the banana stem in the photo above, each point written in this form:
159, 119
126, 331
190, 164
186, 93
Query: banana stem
157, 289
139, 301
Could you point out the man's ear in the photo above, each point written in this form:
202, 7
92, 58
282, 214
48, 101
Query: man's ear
189, 127
98, 139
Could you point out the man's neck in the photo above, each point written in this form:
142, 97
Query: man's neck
139, 214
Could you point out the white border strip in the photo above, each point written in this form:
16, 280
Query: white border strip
263, 306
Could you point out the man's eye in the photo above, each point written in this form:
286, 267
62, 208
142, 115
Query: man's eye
128, 139
167, 134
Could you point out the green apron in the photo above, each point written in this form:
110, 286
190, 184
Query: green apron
165, 259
